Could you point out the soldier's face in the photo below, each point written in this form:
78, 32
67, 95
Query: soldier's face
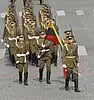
43, 35
53, 22
71, 41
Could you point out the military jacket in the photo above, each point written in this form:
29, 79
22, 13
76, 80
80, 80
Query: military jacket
48, 44
70, 55
21, 50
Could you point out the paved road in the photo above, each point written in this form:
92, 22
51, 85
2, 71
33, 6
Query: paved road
78, 13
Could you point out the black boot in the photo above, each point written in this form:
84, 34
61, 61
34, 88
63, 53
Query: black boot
40, 74
40, 2
20, 77
33, 59
76, 85
29, 56
67, 83
72, 78
25, 78
13, 60
55, 60
36, 60
48, 74
52, 59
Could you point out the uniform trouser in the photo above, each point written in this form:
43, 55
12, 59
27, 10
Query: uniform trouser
48, 67
74, 72
22, 67
33, 56
11, 56
42, 63
54, 59
54, 54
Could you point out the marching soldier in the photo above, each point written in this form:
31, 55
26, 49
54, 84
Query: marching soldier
22, 51
70, 61
44, 56
9, 36
33, 43
67, 34
55, 46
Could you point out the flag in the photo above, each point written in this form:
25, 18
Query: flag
51, 36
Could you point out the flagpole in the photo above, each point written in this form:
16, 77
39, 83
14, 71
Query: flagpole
57, 36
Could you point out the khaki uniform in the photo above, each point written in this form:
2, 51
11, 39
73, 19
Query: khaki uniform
29, 30
45, 58
9, 36
55, 49
70, 59
22, 50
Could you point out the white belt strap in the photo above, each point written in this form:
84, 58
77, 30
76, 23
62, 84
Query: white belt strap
70, 56
44, 50
21, 55
33, 37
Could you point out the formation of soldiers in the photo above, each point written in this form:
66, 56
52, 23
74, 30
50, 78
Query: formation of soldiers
30, 43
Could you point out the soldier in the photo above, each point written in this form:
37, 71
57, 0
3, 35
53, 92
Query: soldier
55, 46
70, 61
33, 43
67, 34
22, 50
9, 36
44, 56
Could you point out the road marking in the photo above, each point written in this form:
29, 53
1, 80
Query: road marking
61, 13
20, 14
2, 53
82, 51
3, 15
79, 12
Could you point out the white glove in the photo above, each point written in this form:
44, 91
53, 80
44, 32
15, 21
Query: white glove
17, 37
43, 45
23, 54
7, 45
38, 56
27, 53
64, 66
17, 62
37, 37
2, 40
43, 50
77, 64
